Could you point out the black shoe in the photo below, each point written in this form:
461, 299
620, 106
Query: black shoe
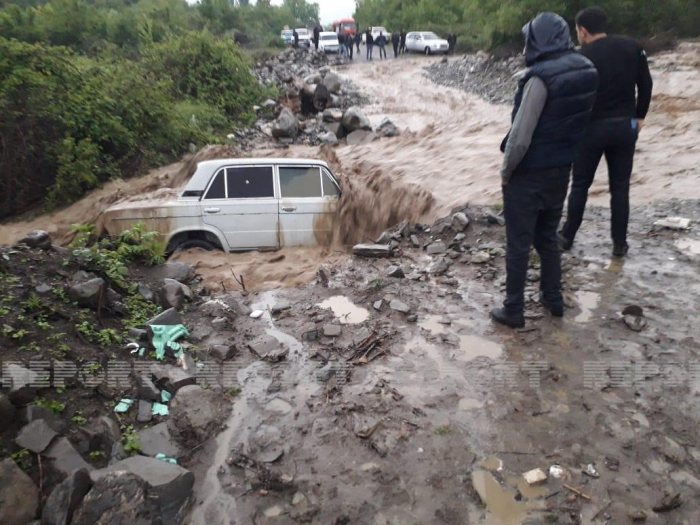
620, 250
557, 310
564, 243
500, 315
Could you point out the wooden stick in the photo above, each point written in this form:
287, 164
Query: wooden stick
577, 491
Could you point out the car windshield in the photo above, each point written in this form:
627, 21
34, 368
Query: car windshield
286, 33
430, 36
329, 37
302, 31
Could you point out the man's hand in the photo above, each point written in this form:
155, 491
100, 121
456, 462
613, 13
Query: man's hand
640, 124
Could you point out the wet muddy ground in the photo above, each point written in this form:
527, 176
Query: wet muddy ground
439, 421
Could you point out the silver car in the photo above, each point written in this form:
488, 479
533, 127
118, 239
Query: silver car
240, 205
426, 42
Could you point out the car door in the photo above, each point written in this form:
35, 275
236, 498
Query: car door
307, 206
241, 203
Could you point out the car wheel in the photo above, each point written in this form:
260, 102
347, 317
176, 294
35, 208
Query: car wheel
427, 51
196, 243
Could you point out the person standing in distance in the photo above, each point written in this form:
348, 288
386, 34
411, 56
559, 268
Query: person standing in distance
622, 103
553, 105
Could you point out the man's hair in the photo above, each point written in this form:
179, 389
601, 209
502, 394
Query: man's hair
593, 19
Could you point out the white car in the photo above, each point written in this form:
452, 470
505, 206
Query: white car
328, 42
304, 37
376, 31
426, 42
240, 205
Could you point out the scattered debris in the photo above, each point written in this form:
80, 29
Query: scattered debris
535, 477
673, 223
668, 502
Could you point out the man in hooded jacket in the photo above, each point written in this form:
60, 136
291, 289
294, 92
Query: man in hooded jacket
553, 105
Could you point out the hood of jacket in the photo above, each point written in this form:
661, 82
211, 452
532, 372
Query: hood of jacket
546, 34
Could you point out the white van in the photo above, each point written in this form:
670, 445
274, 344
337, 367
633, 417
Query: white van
240, 205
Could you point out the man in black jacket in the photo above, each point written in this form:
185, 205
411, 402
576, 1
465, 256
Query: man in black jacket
618, 117
369, 41
552, 108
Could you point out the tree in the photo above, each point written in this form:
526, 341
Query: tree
305, 13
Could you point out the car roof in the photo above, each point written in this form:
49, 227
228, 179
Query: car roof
328, 33
207, 168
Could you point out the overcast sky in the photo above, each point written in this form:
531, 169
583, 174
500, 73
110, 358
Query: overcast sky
331, 9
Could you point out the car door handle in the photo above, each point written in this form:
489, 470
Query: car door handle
290, 208
212, 210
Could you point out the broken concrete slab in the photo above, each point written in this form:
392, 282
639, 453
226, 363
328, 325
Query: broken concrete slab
222, 352
144, 414
371, 250
268, 348
157, 440
147, 389
65, 498
35, 436
19, 497
66, 459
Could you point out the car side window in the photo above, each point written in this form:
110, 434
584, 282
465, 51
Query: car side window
250, 182
329, 187
217, 190
300, 182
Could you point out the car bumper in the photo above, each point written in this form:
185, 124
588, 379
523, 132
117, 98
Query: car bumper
331, 49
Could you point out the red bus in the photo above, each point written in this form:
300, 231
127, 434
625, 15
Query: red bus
346, 26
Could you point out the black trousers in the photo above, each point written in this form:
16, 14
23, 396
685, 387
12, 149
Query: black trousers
382, 52
396, 49
533, 201
369, 51
617, 140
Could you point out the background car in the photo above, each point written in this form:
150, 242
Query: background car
287, 36
304, 37
328, 42
376, 31
426, 42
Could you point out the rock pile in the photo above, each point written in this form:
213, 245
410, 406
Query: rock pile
493, 80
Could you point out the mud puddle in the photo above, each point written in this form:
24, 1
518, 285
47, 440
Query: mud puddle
587, 302
345, 310
501, 505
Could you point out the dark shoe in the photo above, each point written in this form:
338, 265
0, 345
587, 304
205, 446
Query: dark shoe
556, 309
564, 243
500, 315
620, 250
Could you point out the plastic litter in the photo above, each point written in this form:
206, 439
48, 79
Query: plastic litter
133, 347
163, 457
165, 396
257, 314
160, 409
123, 405
591, 471
556, 471
167, 335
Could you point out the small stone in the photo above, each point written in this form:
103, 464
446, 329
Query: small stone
533, 276
384, 238
157, 440
481, 257
169, 317
395, 271
222, 352
332, 330
90, 294
144, 415
43, 289
436, 248
399, 306
412, 318
415, 241
535, 477
439, 266
378, 305
147, 389
635, 323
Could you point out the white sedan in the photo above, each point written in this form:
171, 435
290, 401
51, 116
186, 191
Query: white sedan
426, 42
328, 42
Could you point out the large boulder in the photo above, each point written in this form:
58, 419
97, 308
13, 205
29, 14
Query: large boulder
174, 294
157, 440
169, 485
336, 128
19, 497
102, 433
196, 412
332, 82
65, 498
90, 294
332, 115
329, 138
7, 411
286, 125
360, 136
119, 498
66, 459
35, 436
355, 119
37, 239
388, 129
